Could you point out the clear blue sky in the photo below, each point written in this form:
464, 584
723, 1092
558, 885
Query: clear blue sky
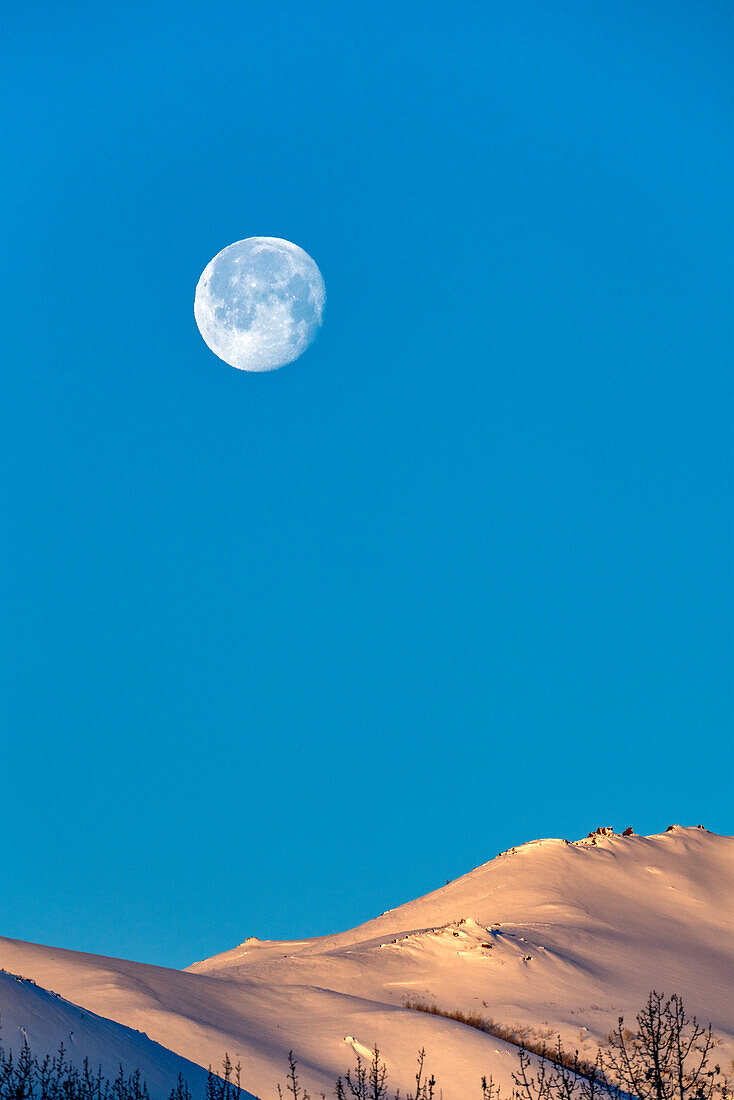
281, 651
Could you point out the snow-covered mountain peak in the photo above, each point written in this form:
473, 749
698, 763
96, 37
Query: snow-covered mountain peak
550, 936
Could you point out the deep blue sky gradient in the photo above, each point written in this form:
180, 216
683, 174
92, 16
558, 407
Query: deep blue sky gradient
282, 651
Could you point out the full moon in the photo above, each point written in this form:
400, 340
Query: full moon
259, 303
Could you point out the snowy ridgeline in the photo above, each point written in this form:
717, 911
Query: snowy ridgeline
548, 938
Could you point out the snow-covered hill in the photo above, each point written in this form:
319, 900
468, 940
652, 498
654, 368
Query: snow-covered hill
549, 937
46, 1022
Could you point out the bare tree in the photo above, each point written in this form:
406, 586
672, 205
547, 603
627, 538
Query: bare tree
370, 1082
667, 1057
560, 1076
424, 1090
366, 1082
293, 1085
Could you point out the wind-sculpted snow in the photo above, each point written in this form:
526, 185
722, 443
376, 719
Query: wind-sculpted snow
548, 937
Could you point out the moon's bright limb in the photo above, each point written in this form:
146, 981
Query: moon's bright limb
259, 303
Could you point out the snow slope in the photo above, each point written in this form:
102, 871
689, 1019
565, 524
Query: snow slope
46, 1021
549, 937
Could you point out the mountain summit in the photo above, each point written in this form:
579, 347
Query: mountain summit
549, 937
